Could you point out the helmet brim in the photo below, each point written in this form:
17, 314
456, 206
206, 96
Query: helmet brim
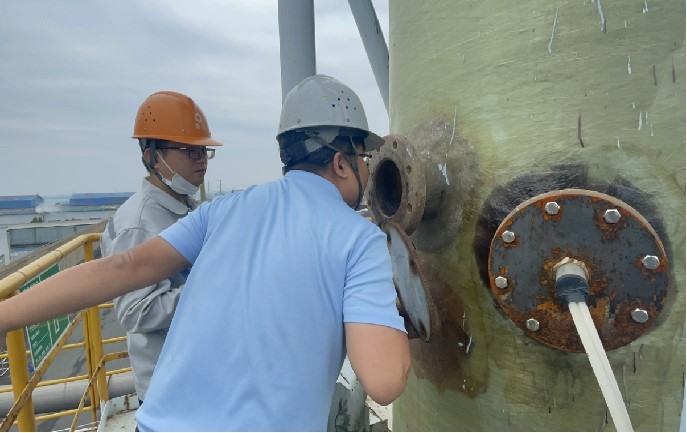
373, 142
191, 141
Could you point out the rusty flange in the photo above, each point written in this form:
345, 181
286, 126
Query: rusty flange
626, 260
396, 191
411, 285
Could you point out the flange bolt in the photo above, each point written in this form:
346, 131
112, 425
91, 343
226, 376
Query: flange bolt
639, 315
612, 216
532, 324
508, 236
650, 262
552, 208
501, 282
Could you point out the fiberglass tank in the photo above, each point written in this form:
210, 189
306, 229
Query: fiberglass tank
524, 133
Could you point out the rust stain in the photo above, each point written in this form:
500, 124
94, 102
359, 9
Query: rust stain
443, 360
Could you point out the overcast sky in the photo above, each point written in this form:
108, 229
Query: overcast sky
74, 72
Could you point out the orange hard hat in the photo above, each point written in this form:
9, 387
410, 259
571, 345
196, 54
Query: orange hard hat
174, 117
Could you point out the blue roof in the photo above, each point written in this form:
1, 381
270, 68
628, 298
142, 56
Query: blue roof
99, 199
20, 201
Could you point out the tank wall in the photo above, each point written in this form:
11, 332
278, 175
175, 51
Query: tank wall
593, 90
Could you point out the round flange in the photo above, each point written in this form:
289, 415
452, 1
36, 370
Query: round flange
410, 282
396, 190
614, 250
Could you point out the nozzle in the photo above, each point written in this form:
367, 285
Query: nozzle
571, 280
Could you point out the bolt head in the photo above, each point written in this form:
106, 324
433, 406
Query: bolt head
612, 216
532, 324
501, 282
552, 208
639, 315
650, 262
508, 236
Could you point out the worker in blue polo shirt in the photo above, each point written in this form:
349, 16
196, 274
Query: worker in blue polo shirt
287, 279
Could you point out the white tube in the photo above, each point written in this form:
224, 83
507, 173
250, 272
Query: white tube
600, 365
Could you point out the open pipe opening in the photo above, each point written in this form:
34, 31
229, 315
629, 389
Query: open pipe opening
388, 188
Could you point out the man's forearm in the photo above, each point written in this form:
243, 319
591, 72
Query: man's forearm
89, 284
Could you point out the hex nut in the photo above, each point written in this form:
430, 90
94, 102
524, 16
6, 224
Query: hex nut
552, 208
612, 216
650, 262
501, 282
508, 236
532, 324
639, 315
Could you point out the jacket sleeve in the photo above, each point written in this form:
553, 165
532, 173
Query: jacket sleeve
150, 308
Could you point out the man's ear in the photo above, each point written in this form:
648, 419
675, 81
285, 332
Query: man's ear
339, 164
146, 158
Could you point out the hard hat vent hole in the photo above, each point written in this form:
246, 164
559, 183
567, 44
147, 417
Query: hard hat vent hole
334, 105
388, 188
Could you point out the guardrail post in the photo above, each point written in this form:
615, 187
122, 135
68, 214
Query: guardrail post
96, 338
19, 374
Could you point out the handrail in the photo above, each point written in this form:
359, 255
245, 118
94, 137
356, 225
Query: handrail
14, 281
23, 410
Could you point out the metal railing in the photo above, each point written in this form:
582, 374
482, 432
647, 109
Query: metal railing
22, 411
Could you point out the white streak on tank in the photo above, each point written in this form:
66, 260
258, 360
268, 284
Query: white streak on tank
617, 142
442, 169
633, 105
651, 125
640, 121
625, 23
629, 66
602, 19
553, 30
645, 9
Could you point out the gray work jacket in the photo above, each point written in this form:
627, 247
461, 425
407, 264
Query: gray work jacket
145, 314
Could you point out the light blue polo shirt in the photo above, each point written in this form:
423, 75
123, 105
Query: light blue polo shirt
257, 340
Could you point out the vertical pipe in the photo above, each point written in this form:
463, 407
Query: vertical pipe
19, 375
375, 45
96, 338
296, 42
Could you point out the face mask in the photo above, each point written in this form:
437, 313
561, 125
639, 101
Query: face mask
178, 183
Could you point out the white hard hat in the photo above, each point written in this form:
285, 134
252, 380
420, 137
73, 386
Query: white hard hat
322, 101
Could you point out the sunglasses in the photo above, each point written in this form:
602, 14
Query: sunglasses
194, 152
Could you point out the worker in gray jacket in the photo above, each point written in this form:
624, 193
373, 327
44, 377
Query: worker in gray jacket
173, 135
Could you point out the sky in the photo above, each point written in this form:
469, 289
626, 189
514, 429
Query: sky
74, 72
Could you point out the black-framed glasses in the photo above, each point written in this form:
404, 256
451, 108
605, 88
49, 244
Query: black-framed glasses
194, 152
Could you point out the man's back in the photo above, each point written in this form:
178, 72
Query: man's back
282, 266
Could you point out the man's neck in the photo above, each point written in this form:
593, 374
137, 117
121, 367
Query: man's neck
152, 178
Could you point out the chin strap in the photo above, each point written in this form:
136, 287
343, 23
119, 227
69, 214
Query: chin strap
354, 165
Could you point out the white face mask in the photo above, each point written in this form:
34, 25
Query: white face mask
178, 183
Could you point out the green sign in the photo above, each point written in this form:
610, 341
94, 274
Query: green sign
43, 336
